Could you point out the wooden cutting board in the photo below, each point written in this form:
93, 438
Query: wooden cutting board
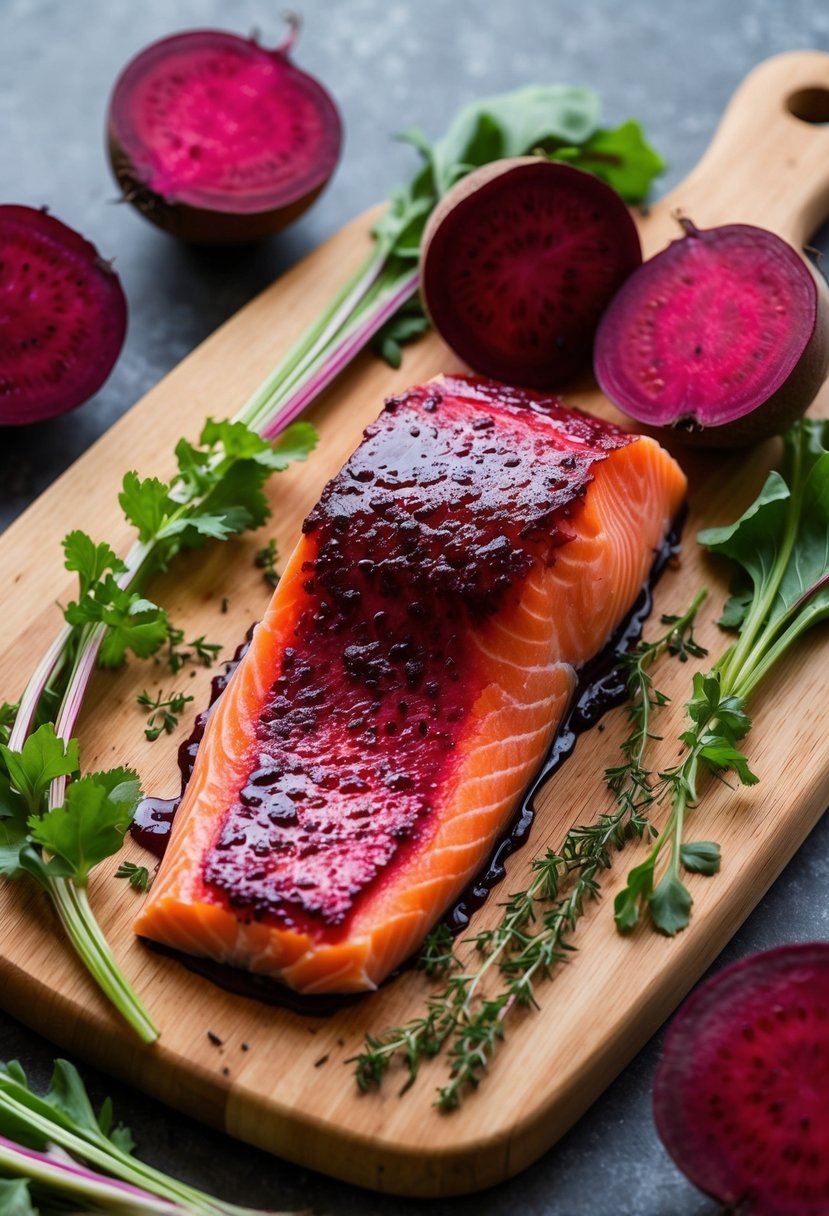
278, 1080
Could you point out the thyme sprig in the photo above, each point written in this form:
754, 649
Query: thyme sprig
533, 934
781, 590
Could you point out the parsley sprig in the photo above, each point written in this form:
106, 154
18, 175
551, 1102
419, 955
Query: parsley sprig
72, 822
781, 590
58, 843
466, 1017
164, 712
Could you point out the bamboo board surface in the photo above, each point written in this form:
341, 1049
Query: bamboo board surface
290, 1092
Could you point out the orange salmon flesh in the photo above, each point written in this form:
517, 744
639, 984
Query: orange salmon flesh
407, 681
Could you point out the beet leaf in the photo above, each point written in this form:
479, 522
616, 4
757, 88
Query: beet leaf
780, 545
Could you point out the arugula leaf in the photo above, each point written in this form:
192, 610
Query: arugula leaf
90, 825
42, 758
701, 857
622, 157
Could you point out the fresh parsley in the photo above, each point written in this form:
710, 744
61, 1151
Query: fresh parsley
164, 712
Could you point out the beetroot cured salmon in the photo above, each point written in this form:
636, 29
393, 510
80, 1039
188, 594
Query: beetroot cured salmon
407, 680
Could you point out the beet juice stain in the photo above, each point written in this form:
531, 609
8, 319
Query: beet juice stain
601, 687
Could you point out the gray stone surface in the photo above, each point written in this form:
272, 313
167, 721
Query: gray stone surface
391, 65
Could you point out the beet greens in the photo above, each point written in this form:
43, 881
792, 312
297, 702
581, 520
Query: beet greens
217, 492
780, 591
55, 1150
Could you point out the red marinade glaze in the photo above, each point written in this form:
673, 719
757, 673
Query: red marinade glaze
449, 501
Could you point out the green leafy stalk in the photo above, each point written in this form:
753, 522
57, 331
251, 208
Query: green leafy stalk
533, 933
780, 546
217, 490
99, 1166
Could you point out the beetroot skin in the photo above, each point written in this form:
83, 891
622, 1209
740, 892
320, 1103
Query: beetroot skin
218, 139
519, 260
63, 317
740, 1096
724, 336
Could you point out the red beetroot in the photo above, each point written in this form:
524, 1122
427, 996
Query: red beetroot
63, 317
218, 139
740, 1097
724, 335
519, 260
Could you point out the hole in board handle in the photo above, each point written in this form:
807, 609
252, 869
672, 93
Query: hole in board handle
810, 105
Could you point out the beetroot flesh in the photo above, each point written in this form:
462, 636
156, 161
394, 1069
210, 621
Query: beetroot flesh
63, 317
519, 261
723, 335
218, 139
740, 1096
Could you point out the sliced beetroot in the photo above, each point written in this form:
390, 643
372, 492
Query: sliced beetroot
741, 1097
218, 139
519, 260
63, 317
724, 335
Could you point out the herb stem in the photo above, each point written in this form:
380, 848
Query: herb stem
72, 905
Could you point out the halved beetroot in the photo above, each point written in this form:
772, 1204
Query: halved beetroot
63, 317
218, 139
741, 1097
724, 335
519, 261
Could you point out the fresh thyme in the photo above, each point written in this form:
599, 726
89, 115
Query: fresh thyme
780, 550
164, 712
265, 560
533, 934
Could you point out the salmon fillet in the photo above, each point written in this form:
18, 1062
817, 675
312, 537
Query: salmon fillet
407, 680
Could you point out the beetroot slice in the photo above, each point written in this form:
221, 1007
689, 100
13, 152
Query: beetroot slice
219, 139
724, 334
741, 1096
63, 317
519, 261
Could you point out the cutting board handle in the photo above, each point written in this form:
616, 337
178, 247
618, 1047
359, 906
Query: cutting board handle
768, 163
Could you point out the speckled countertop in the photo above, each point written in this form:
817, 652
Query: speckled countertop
391, 64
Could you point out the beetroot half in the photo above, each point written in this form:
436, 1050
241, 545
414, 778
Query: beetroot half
724, 335
63, 317
219, 140
519, 261
741, 1096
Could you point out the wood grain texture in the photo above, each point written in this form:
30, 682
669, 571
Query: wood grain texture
290, 1092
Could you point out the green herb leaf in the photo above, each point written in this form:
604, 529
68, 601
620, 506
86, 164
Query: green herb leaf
90, 825
670, 904
137, 876
627, 902
15, 1199
42, 758
146, 504
622, 157
91, 561
701, 857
